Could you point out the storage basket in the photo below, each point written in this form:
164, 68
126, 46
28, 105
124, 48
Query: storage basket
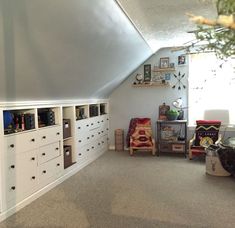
119, 139
213, 164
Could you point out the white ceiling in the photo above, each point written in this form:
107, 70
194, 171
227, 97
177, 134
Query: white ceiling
163, 23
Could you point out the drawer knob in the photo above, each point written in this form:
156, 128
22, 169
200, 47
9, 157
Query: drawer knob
79, 154
107, 129
44, 137
33, 177
92, 147
87, 125
44, 171
57, 148
107, 119
43, 154
12, 145
33, 158
12, 166
88, 137
102, 141
79, 140
92, 124
102, 131
32, 140
87, 149
98, 122
13, 187
102, 121
79, 127
58, 164
98, 133
92, 136
58, 133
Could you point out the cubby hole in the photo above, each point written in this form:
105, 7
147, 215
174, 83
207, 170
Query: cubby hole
82, 112
94, 110
18, 120
103, 108
48, 116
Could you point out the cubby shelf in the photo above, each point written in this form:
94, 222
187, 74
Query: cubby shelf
47, 142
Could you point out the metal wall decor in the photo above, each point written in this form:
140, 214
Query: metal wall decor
179, 84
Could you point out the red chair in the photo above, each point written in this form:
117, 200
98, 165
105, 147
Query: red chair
206, 133
140, 135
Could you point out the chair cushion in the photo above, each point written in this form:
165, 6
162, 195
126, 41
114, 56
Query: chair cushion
133, 124
207, 132
142, 136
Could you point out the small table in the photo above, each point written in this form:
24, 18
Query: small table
171, 136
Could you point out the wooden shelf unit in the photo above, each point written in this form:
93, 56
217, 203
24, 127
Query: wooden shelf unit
168, 143
152, 84
163, 69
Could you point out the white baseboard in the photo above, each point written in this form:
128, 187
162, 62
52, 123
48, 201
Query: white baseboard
34, 196
112, 147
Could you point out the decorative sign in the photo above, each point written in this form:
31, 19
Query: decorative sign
147, 73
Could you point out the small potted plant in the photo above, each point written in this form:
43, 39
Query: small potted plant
172, 114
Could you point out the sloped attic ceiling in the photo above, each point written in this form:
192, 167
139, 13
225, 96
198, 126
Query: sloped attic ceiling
65, 49
163, 23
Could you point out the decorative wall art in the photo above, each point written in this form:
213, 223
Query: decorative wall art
168, 76
179, 84
181, 60
156, 78
164, 62
147, 72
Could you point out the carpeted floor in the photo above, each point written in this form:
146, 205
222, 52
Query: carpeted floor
140, 191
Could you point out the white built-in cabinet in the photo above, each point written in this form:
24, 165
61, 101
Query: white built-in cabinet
39, 153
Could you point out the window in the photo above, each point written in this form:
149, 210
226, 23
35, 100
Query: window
211, 89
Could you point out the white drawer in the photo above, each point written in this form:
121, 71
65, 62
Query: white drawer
94, 123
82, 125
49, 135
48, 152
20, 164
21, 142
50, 171
85, 150
21, 176
104, 143
19, 188
85, 138
104, 119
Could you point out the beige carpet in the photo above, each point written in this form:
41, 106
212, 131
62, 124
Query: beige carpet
140, 191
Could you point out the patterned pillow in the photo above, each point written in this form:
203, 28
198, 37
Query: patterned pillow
142, 137
207, 132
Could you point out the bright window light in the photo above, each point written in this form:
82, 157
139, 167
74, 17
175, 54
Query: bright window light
211, 89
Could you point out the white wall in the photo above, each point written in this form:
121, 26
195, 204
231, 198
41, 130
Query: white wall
65, 49
127, 102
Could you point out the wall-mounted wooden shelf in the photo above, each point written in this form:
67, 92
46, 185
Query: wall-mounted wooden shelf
152, 84
163, 69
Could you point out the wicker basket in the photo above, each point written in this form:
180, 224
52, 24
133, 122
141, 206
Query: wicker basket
119, 139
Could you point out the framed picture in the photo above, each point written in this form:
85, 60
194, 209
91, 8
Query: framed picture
164, 62
181, 60
147, 72
168, 76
